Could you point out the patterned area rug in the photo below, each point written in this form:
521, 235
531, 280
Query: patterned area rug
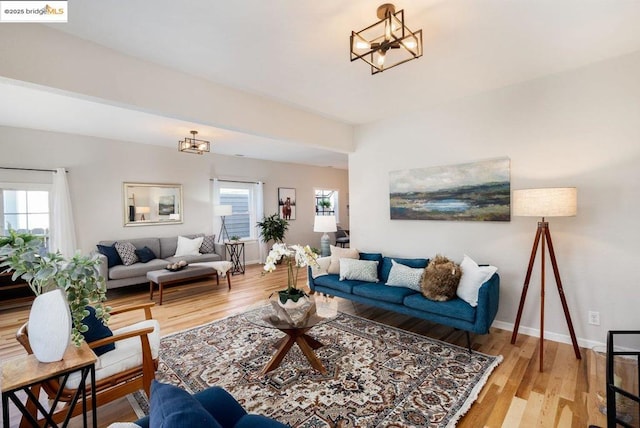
377, 375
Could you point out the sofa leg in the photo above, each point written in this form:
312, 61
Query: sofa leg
468, 340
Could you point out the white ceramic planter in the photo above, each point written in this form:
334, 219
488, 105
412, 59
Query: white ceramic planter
50, 326
290, 304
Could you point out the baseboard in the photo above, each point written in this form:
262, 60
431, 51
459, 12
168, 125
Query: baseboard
556, 337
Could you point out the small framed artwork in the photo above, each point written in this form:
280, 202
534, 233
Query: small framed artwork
287, 203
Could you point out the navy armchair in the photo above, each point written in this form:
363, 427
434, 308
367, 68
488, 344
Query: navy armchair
214, 407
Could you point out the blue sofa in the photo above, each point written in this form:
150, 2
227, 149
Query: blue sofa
455, 313
214, 407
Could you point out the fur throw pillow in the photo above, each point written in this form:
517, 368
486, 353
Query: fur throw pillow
441, 279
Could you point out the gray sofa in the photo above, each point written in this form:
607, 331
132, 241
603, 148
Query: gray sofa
163, 248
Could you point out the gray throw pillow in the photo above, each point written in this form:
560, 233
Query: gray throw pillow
207, 244
127, 252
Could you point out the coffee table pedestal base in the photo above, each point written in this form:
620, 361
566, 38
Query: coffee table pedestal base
306, 343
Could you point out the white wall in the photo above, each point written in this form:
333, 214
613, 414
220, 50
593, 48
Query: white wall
98, 167
579, 128
79, 68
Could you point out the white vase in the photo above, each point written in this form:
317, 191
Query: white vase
50, 326
297, 311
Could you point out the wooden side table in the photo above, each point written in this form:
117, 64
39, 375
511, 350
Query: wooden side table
21, 374
236, 256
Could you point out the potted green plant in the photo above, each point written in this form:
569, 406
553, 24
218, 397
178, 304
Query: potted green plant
77, 281
325, 203
273, 228
234, 238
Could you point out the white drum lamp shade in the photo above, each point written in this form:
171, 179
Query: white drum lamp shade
546, 202
222, 210
324, 224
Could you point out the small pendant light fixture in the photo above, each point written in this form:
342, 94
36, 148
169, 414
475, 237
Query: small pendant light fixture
388, 42
193, 145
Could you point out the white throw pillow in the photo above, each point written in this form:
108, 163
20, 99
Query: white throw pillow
338, 253
359, 270
404, 276
322, 267
473, 276
188, 247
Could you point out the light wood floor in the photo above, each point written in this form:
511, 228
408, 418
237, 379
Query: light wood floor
516, 395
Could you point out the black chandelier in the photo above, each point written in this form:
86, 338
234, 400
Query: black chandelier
388, 42
193, 145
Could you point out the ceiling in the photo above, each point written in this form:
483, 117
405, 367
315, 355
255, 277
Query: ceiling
297, 52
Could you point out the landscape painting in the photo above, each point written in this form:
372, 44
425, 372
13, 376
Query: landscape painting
479, 191
166, 205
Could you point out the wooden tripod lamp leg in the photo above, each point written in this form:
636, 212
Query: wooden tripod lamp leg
543, 234
565, 307
525, 288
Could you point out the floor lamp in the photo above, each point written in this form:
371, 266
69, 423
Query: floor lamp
325, 223
222, 211
547, 202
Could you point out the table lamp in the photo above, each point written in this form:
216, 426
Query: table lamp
222, 211
324, 223
142, 211
545, 202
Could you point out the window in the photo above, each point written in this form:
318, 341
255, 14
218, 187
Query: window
327, 202
242, 200
25, 211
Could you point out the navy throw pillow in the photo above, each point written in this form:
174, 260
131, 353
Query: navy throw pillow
176, 408
96, 331
145, 254
113, 258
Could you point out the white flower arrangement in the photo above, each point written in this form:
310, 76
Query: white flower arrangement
297, 256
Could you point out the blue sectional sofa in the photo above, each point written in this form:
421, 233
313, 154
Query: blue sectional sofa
455, 313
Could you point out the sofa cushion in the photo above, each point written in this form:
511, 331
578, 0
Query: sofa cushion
168, 246
174, 407
208, 244
110, 252
386, 265
136, 269
321, 268
188, 246
127, 354
96, 331
152, 243
127, 252
456, 308
382, 292
361, 270
145, 254
405, 276
338, 253
473, 276
332, 281
198, 258
375, 257
441, 279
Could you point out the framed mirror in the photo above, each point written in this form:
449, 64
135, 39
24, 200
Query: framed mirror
151, 203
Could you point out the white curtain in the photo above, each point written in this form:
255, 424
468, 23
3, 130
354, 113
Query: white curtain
62, 232
215, 200
262, 246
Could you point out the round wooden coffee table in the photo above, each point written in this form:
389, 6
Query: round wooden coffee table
266, 317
